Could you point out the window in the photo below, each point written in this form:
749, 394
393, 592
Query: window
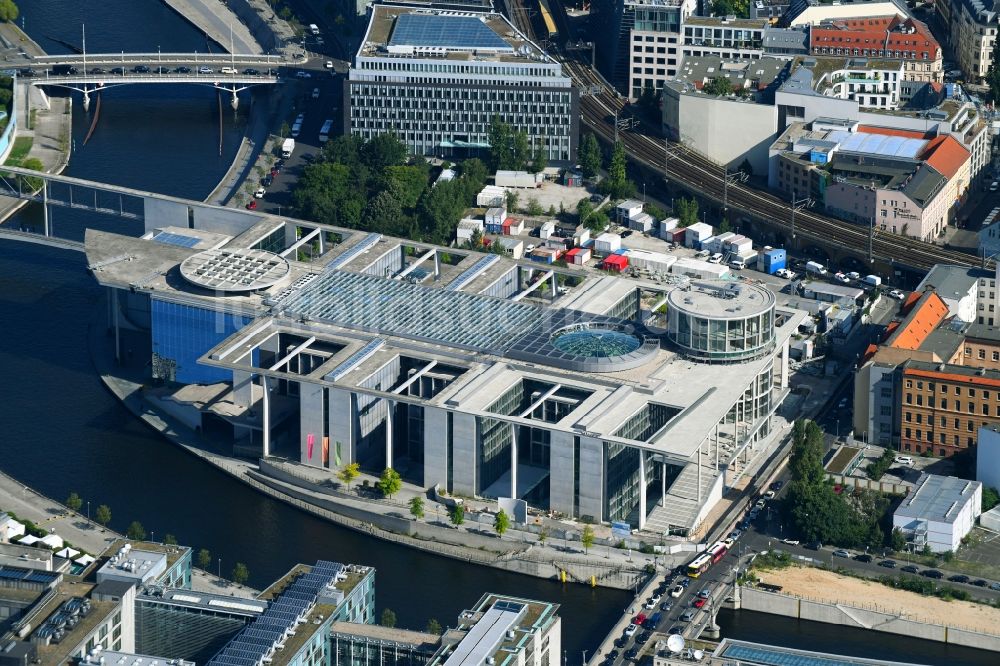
982, 353
909, 417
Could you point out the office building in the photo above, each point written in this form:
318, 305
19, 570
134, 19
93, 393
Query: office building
374, 645
724, 37
482, 375
109, 657
971, 294
988, 456
146, 563
438, 79
939, 512
814, 12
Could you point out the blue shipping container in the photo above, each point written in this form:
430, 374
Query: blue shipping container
773, 264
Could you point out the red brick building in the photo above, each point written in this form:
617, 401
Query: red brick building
884, 38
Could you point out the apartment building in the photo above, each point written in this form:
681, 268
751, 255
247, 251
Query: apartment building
892, 38
973, 31
438, 79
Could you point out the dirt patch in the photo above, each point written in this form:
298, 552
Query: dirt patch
820, 585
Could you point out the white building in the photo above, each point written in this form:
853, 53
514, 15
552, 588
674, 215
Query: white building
988, 456
971, 294
438, 79
10, 528
939, 512
814, 14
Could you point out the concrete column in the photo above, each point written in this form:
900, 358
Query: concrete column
663, 483
242, 388
642, 489
311, 423
717, 447
465, 452
342, 417
322, 243
45, 208
785, 352
555, 287
390, 406
592, 478
513, 461
435, 447
266, 421
114, 310
699, 471
561, 465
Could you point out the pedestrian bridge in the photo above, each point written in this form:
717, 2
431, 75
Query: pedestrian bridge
92, 72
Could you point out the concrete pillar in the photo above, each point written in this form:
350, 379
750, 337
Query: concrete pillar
242, 388
390, 406
561, 465
513, 461
663, 483
642, 489
114, 310
785, 352
45, 208
465, 452
342, 420
322, 243
311, 424
435, 447
555, 287
266, 422
699, 471
592, 478
717, 447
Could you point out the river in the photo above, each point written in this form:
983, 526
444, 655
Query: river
64, 432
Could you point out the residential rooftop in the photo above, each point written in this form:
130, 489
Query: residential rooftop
727, 22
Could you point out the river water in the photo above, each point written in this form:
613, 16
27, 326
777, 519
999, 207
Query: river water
63, 432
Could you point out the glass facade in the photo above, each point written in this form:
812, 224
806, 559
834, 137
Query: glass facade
182, 333
722, 340
356, 650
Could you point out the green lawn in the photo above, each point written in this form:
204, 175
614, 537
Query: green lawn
22, 146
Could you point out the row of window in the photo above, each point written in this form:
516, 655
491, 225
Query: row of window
874, 53
472, 94
918, 418
943, 388
454, 68
920, 435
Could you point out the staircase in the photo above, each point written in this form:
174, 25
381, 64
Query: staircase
681, 506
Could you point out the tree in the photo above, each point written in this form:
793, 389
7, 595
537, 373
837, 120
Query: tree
897, 541
284, 131
73, 502
737, 8
521, 151
417, 507
724, 225
388, 618
135, 531
384, 214
718, 86
31, 183
687, 211
539, 158
590, 156
169, 539
534, 208
587, 537
543, 536
204, 558
103, 515
8, 10
433, 627
990, 498
390, 482
501, 148
348, 473
457, 514
511, 199
501, 523
616, 181
383, 150
240, 573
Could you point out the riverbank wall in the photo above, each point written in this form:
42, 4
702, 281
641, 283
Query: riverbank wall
862, 617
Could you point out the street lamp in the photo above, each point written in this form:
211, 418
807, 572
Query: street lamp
798, 204
88, 511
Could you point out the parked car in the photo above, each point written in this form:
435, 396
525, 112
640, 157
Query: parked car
259, 193
652, 603
685, 582
328, 64
677, 591
643, 637
932, 573
769, 494
162, 70
183, 70
842, 553
841, 278
897, 294
863, 557
639, 619
303, 75
814, 545
631, 629
995, 586
959, 578
777, 485
705, 593
715, 258
979, 582
904, 460
888, 564
736, 534
676, 629
790, 542
910, 568
252, 205
315, 93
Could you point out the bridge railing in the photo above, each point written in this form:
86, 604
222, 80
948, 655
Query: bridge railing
131, 58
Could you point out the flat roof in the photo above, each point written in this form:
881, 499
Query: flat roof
464, 32
937, 498
758, 654
885, 145
953, 281
721, 299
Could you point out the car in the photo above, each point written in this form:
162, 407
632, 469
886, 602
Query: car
596, 198
677, 591
140, 69
266, 181
995, 586
753, 513
631, 629
854, 275
328, 64
229, 70
701, 254
777, 485
910, 568
655, 619
252, 205
643, 637
162, 70
840, 552
613, 654
761, 503
897, 294
120, 71
639, 619
904, 460
27, 72
888, 564
621, 642
183, 70
790, 542
685, 582
743, 525
705, 593
675, 629
259, 193
626, 233
814, 545
959, 578
303, 75
994, 186
631, 654
729, 542
315, 93
736, 534
979, 582
666, 606
769, 495
689, 615
863, 557
652, 603
715, 258
699, 602
299, 118
529, 247
205, 70
97, 70
932, 573
841, 278
250, 71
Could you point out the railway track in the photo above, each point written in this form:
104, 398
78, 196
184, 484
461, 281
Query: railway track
700, 175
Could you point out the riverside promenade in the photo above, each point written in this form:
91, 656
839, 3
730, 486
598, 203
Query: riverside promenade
87, 535
218, 23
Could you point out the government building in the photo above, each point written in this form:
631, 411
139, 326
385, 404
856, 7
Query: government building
437, 79
583, 394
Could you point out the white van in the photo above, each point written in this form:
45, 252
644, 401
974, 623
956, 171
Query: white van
737, 263
313, 29
715, 258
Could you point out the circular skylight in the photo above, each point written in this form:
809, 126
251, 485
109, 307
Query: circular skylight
234, 270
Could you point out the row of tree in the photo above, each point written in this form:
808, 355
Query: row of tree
371, 185
511, 149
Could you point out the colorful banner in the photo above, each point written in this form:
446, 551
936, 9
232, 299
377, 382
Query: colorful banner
326, 452
310, 439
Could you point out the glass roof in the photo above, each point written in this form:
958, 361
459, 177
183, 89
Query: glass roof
878, 144
468, 32
394, 307
766, 655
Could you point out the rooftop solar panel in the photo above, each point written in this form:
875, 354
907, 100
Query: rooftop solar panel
175, 239
366, 243
434, 30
